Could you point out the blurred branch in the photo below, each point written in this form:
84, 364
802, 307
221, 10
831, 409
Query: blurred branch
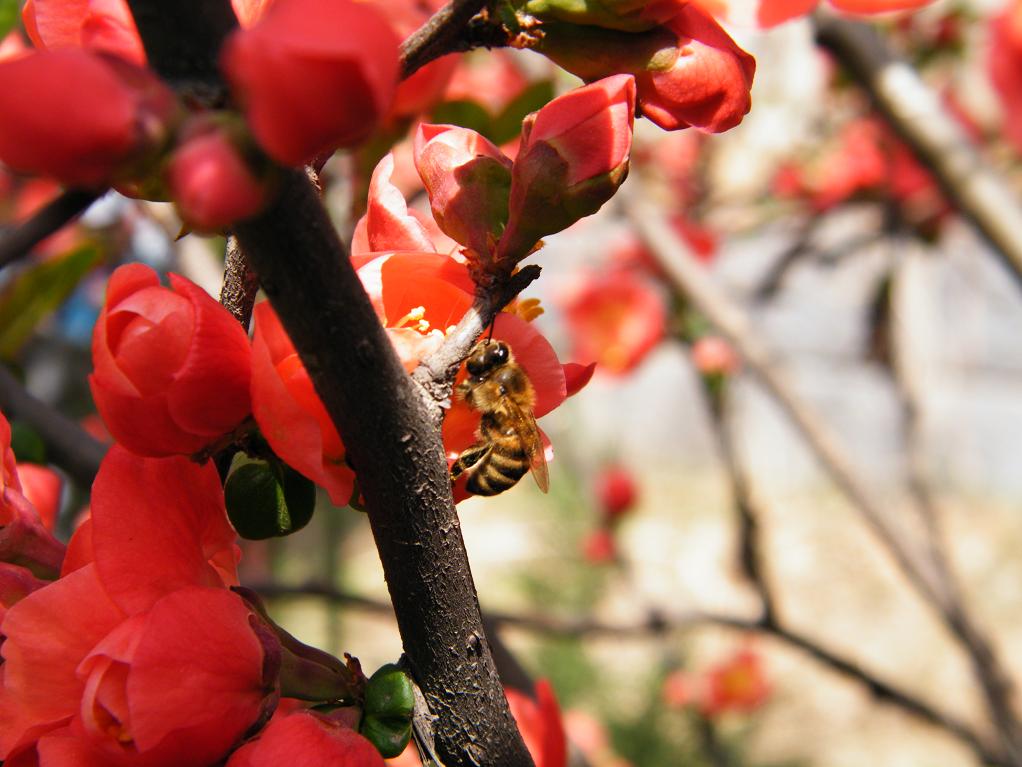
58, 212
457, 27
924, 124
68, 445
658, 625
997, 684
691, 279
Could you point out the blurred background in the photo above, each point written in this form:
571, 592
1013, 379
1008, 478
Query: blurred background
784, 523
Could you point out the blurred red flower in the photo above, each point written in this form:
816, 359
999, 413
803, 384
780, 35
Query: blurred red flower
50, 126
312, 75
615, 319
737, 684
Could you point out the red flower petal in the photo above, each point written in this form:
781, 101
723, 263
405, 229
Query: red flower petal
162, 517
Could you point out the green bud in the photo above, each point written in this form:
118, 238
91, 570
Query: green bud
266, 501
387, 717
623, 15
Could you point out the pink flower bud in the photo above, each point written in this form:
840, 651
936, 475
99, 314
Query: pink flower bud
468, 181
212, 183
688, 71
573, 157
313, 75
172, 365
80, 118
712, 355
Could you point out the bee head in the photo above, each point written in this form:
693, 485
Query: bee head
487, 356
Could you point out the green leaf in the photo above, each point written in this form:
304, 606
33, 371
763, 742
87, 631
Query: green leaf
8, 16
37, 292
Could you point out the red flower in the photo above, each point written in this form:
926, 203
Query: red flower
306, 739
50, 125
573, 156
616, 491
16, 583
42, 487
212, 183
615, 319
688, 71
289, 412
539, 721
707, 84
24, 539
1004, 64
103, 26
313, 75
388, 224
737, 684
773, 12
172, 365
468, 180
421, 91
94, 662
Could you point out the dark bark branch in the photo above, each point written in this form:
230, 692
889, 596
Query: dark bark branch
61, 210
656, 625
241, 284
182, 41
688, 277
68, 445
938, 141
388, 426
455, 28
386, 423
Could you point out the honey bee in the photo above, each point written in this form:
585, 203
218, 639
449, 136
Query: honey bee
507, 443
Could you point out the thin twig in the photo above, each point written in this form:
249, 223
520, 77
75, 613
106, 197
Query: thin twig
690, 278
657, 626
916, 113
68, 445
58, 212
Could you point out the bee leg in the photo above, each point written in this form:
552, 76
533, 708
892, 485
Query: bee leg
469, 457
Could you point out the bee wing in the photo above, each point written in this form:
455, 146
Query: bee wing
525, 424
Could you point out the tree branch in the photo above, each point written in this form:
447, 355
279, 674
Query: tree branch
58, 212
68, 445
938, 141
455, 28
657, 625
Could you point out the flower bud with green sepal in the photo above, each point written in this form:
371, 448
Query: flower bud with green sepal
573, 157
387, 715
